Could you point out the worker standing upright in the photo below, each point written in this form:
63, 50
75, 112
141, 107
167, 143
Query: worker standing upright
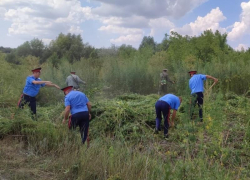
31, 89
197, 88
164, 78
74, 80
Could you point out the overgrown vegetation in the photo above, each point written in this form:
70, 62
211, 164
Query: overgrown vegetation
122, 84
123, 145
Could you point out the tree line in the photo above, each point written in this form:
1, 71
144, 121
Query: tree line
127, 69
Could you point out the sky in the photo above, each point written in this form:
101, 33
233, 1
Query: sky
102, 23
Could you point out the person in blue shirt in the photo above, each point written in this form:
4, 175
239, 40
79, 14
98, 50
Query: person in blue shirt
197, 88
79, 106
163, 106
31, 89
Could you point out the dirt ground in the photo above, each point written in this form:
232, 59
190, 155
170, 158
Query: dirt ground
18, 162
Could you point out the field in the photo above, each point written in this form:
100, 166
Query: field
122, 85
123, 144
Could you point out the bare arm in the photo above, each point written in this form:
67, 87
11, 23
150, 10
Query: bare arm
52, 85
81, 81
169, 80
66, 113
173, 118
89, 108
41, 82
213, 78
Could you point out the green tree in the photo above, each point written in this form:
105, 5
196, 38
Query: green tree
46, 54
126, 51
163, 46
37, 47
222, 38
54, 60
148, 42
12, 58
76, 48
5, 49
24, 49
70, 46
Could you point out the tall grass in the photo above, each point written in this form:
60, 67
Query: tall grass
114, 75
123, 145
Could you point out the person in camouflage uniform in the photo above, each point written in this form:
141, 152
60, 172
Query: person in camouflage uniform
163, 82
74, 80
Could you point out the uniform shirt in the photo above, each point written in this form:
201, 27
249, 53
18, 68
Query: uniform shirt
77, 102
172, 100
196, 83
74, 80
31, 89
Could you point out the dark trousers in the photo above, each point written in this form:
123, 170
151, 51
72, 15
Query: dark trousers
31, 102
162, 89
197, 98
81, 119
161, 107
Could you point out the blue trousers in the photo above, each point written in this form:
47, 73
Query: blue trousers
162, 107
81, 119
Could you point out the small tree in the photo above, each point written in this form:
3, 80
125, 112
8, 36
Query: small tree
37, 47
148, 42
12, 58
54, 60
24, 49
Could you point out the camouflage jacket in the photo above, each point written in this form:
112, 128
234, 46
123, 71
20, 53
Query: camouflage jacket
164, 78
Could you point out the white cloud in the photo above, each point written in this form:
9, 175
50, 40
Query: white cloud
2, 12
120, 30
44, 18
241, 47
130, 36
75, 30
129, 18
209, 22
146, 8
133, 39
46, 41
160, 26
129, 22
243, 27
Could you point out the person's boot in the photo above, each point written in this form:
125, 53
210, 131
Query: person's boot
156, 131
166, 136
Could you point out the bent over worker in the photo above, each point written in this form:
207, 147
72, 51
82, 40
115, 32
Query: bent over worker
197, 88
163, 106
74, 80
79, 106
31, 89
